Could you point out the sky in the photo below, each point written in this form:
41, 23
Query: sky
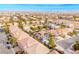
39, 7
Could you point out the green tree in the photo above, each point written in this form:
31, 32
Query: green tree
46, 20
40, 27
11, 20
12, 40
74, 17
71, 33
52, 42
51, 35
45, 26
74, 32
30, 21
22, 19
20, 23
76, 45
32, 28
62, 35
6, 28
62, 25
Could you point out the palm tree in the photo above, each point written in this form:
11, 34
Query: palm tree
11, 20
6, 28
46, 20
20, 24
20, 21
74, 17
52, 42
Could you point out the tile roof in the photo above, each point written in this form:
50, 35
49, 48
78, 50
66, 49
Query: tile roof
26, 42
